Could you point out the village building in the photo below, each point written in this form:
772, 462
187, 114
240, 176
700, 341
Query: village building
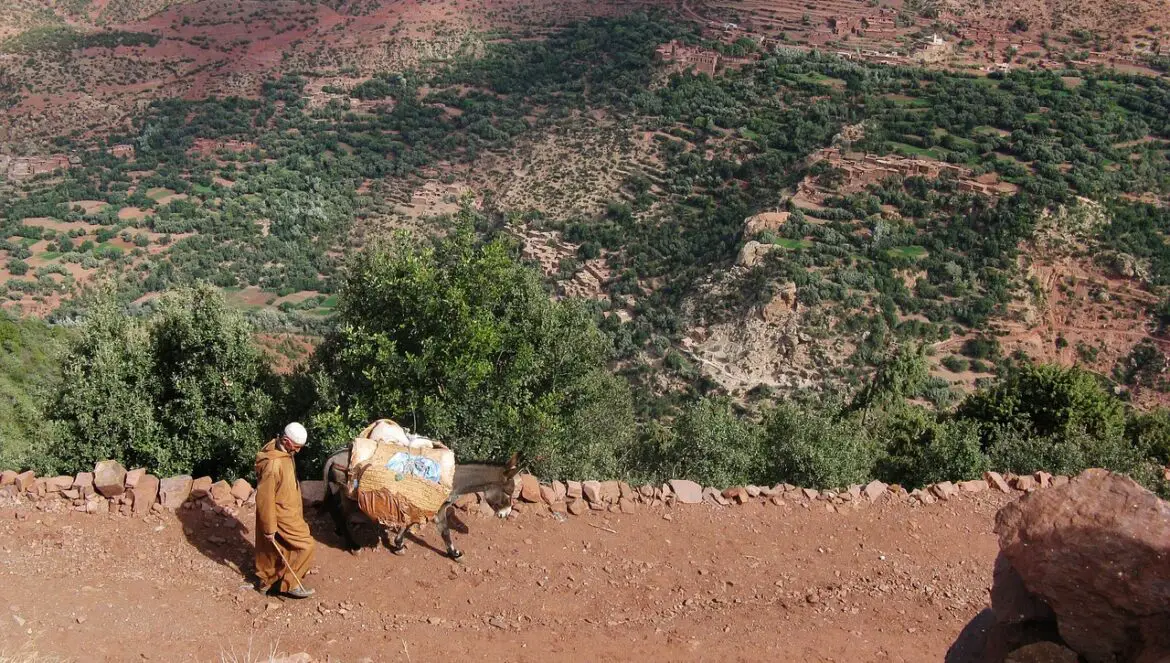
122, 151
697, 59
17, 169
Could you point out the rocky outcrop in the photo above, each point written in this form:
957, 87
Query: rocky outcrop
1090, 561
765, 221
753, 253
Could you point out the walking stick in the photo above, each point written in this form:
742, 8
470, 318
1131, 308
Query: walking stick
287, 565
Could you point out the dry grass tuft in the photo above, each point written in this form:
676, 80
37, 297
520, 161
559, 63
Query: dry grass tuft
27, 654
273, 655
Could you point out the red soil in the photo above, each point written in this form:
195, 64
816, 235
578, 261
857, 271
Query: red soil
891, 582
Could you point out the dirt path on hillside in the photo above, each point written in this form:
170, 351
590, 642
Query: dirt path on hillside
796, 582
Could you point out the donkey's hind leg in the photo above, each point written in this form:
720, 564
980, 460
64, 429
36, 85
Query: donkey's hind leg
445, 530
399, 543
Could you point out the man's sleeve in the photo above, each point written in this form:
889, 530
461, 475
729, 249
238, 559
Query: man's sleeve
266, 500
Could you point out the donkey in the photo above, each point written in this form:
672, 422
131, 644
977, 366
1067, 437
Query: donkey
496, 482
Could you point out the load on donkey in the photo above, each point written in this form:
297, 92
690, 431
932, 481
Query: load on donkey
401, 481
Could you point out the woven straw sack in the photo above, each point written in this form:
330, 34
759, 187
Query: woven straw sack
397, 497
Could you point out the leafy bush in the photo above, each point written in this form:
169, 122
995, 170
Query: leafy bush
982, 347
183, 391
922, 449
900, 375
1024, 452
955, 364
461, 342
1149, 433
1049, 402
29, 369
817, 448
709, 443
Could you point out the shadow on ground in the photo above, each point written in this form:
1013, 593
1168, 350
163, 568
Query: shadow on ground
229, 540
225, 540
372, 536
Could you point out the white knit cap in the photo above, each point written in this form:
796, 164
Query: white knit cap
296, 434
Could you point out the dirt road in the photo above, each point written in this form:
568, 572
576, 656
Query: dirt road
796, 582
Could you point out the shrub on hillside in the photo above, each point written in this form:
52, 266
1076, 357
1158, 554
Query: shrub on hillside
29, 368
817, 448
711, 444
1024, 452
1047, 401
922, 449
184, 390
460, 342
1149, 433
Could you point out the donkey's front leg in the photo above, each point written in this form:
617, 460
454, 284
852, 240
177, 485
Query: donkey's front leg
445, 530
346, 509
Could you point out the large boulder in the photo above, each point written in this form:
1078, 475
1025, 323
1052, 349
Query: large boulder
221, 494
174, 491
1042, 652
145, 492
687, 492
109, 478
1096, 552
1011, 601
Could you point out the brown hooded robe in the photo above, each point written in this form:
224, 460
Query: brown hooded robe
279, 512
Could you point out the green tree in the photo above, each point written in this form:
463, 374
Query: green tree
105, 405
215, 387
29, 370
1047, 401
461, 342
1149, 433
711, 444
901, 375
921, 448
182, 391
818, 447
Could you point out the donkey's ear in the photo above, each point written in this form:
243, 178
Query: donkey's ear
513, 462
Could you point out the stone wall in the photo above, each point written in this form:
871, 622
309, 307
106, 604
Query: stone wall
111, 489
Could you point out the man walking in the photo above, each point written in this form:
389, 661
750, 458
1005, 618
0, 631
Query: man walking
284, 545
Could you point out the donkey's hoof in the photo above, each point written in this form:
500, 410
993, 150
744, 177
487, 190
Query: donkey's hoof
398, 550
454, 553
